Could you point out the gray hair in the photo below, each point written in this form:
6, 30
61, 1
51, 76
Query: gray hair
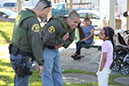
42, 3
73, 15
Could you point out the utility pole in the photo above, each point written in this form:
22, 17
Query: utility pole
18, 6
80, 1
49, 14
65, 1
71, 6
84, 1
112, 14
22, 3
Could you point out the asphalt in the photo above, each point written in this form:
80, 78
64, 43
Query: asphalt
89, 63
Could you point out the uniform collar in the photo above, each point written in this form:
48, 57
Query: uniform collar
29, 10
67, 26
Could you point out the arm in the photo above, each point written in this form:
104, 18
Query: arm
105, 48
92, 33
103, 61
70, 39
34, 38
49, 36
35, 41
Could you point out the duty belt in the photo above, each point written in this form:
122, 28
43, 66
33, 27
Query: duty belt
15, 50
50, 47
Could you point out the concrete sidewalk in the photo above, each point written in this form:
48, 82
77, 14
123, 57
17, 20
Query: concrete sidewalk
89, 63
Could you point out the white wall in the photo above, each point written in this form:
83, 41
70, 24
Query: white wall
104, 7
123, 6
30, 2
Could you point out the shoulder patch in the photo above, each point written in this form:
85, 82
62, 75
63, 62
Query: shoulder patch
51, 29
35, 28
18, 17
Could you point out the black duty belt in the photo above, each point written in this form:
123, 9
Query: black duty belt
17, 51
50, 47
23, 53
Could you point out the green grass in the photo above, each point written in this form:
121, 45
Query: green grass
6, 29
2, 53
96, 38
7, 76
78, 71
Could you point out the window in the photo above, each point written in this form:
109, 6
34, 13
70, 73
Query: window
82, 15
58, 6
89, 15
9, 5
92, 16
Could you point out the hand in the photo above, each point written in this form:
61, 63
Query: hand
66, 36
83, 40
58, 46
41, 70
75, 38
100, 69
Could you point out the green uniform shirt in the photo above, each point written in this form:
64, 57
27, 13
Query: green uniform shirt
54, 31
32, 26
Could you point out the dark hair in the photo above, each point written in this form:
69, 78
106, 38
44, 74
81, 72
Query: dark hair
110, 33
125, 14
42, 4
121, 40
81, 33
86, 18
73, 15
48, 4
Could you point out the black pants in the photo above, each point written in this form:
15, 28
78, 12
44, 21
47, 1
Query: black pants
78, 46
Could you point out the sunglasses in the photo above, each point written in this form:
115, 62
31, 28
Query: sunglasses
48, 5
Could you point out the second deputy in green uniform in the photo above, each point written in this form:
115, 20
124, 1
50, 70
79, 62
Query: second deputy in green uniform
58, 32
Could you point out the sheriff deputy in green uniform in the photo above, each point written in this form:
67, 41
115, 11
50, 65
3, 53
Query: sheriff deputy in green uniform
27, 43
58, 32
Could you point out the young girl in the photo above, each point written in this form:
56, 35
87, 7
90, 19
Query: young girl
106, 34
88, 31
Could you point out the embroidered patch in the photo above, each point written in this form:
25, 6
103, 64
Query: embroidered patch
51, 29
35, 28
18, 17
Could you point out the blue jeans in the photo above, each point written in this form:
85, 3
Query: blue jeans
20, 81
51, 75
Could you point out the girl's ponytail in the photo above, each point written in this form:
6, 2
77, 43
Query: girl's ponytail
110, 32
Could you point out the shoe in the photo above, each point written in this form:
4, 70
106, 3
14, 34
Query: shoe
82, 56
73, 56
77, 58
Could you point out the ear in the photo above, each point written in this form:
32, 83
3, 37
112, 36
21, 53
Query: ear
107, 37
42, 10
68, 19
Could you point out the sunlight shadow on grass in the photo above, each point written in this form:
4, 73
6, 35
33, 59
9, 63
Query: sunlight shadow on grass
5, 36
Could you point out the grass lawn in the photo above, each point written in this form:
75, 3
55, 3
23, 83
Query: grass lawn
6, 29
2, 53
7, 75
